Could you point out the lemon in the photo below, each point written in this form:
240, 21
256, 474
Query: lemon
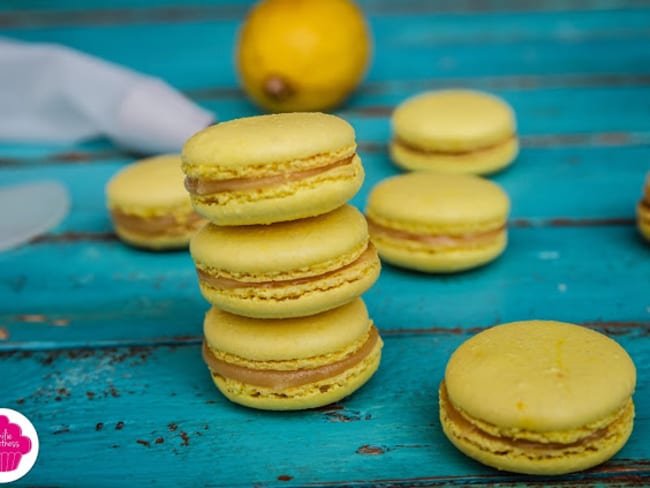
302, 55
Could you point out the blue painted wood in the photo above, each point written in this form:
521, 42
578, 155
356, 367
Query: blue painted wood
159, 405
558, 43
427, 6
99, 342
117, 295
618, 191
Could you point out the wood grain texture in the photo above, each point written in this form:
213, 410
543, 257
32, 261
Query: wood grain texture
155, 297
158, 404
100, 342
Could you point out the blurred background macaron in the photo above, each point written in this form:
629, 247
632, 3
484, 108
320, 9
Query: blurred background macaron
293, 363
538, 397
149, 206
643, 211
438, 222
454, 131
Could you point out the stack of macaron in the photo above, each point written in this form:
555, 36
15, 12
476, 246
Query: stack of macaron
283, 260
442, 216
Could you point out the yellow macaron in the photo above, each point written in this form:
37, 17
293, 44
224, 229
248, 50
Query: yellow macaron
272, 168
455, 131
438, 222
287, 269
291, 364
149, 206
643, 211
538, 397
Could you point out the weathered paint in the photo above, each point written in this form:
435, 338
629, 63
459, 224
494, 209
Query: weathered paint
100, 342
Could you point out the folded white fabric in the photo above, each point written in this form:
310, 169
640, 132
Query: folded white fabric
50, 92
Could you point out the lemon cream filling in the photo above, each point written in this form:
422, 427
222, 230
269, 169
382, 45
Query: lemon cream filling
433, 240
281, 378
366, 259
549, 443
169, 224
459, 152
204, 186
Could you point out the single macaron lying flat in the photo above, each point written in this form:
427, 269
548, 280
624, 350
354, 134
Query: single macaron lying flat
455, 131
149, 206
287, 269
291, 364
437, 222
272, 168
538, 397
643, 211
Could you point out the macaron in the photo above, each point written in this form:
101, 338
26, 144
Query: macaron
272, 168
288, 269
148, 204
643, 211
455, 131
437, 222
291, 364
538, 397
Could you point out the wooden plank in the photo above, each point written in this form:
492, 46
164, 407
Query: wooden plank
439, 46
37, 12
148, 414
554, 110
108, 294
568, 170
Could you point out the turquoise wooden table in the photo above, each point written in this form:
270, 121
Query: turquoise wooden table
100, 343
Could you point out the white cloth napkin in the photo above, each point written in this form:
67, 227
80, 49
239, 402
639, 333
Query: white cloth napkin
50, 92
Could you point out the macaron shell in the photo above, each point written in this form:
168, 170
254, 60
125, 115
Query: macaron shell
453, 120
540, 376
296, 199
495, 452
311, 395
287, 339
325, 241
438, 203
480, 162
267, 139
150, 187
445, 260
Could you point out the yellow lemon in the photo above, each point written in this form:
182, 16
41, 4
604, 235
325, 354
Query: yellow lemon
302, 55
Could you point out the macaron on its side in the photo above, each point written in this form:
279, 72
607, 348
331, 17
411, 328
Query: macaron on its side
456, 131
272, 168
287, 269
538, 397
438, 222
291, 364
643, 212
149, 206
